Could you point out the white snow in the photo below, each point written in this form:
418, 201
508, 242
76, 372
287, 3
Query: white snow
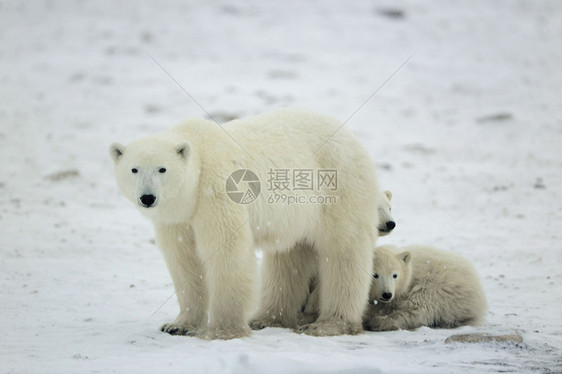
467, 135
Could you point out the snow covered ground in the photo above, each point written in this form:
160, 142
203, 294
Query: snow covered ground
467, 135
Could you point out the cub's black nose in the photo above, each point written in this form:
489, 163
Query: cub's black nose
147, 200
386, 296
390, 225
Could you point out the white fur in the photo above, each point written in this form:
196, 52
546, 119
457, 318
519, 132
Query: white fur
208, 240
429, 287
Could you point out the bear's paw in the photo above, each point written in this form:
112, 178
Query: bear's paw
383, 323
177, 329
331, 328
262, 323
226, 332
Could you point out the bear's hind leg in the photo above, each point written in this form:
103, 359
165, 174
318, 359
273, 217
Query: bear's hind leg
344, 279
311, 309
285, 286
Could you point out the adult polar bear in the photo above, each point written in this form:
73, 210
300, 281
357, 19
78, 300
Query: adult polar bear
177, 179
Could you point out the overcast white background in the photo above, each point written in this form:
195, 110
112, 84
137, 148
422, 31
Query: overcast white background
467, 135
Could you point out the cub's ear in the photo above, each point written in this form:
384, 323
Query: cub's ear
184, 150
405, 256
388, 194
116, 151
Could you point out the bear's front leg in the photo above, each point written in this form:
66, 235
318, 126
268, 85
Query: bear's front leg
177, 244
384, 323
225, 248
407, 316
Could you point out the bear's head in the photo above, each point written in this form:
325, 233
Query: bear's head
386, 222
152, 173
392, 271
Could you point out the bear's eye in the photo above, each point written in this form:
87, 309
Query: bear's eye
134, 170
394, 275
375, 275
162, 170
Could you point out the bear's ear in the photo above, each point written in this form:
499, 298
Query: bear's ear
388, 194
116, 151
184, 150
405, 256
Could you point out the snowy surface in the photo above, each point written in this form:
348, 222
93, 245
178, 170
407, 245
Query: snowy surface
467, 135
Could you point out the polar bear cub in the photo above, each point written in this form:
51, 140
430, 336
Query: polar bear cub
386, 222
179, 179
418, 285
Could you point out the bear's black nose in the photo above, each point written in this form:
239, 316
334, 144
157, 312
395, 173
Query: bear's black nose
147, 200
390, 225
386, 296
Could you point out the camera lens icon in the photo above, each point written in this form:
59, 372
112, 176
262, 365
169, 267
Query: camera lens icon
243, 186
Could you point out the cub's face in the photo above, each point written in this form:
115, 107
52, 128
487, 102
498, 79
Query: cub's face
386, 222
150, 173
391, 274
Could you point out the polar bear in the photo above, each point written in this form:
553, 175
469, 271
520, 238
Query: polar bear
386, 222
178, 179
418, 285
309, 312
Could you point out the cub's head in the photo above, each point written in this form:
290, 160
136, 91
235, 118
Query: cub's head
151, 172
392, 271
386, 222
